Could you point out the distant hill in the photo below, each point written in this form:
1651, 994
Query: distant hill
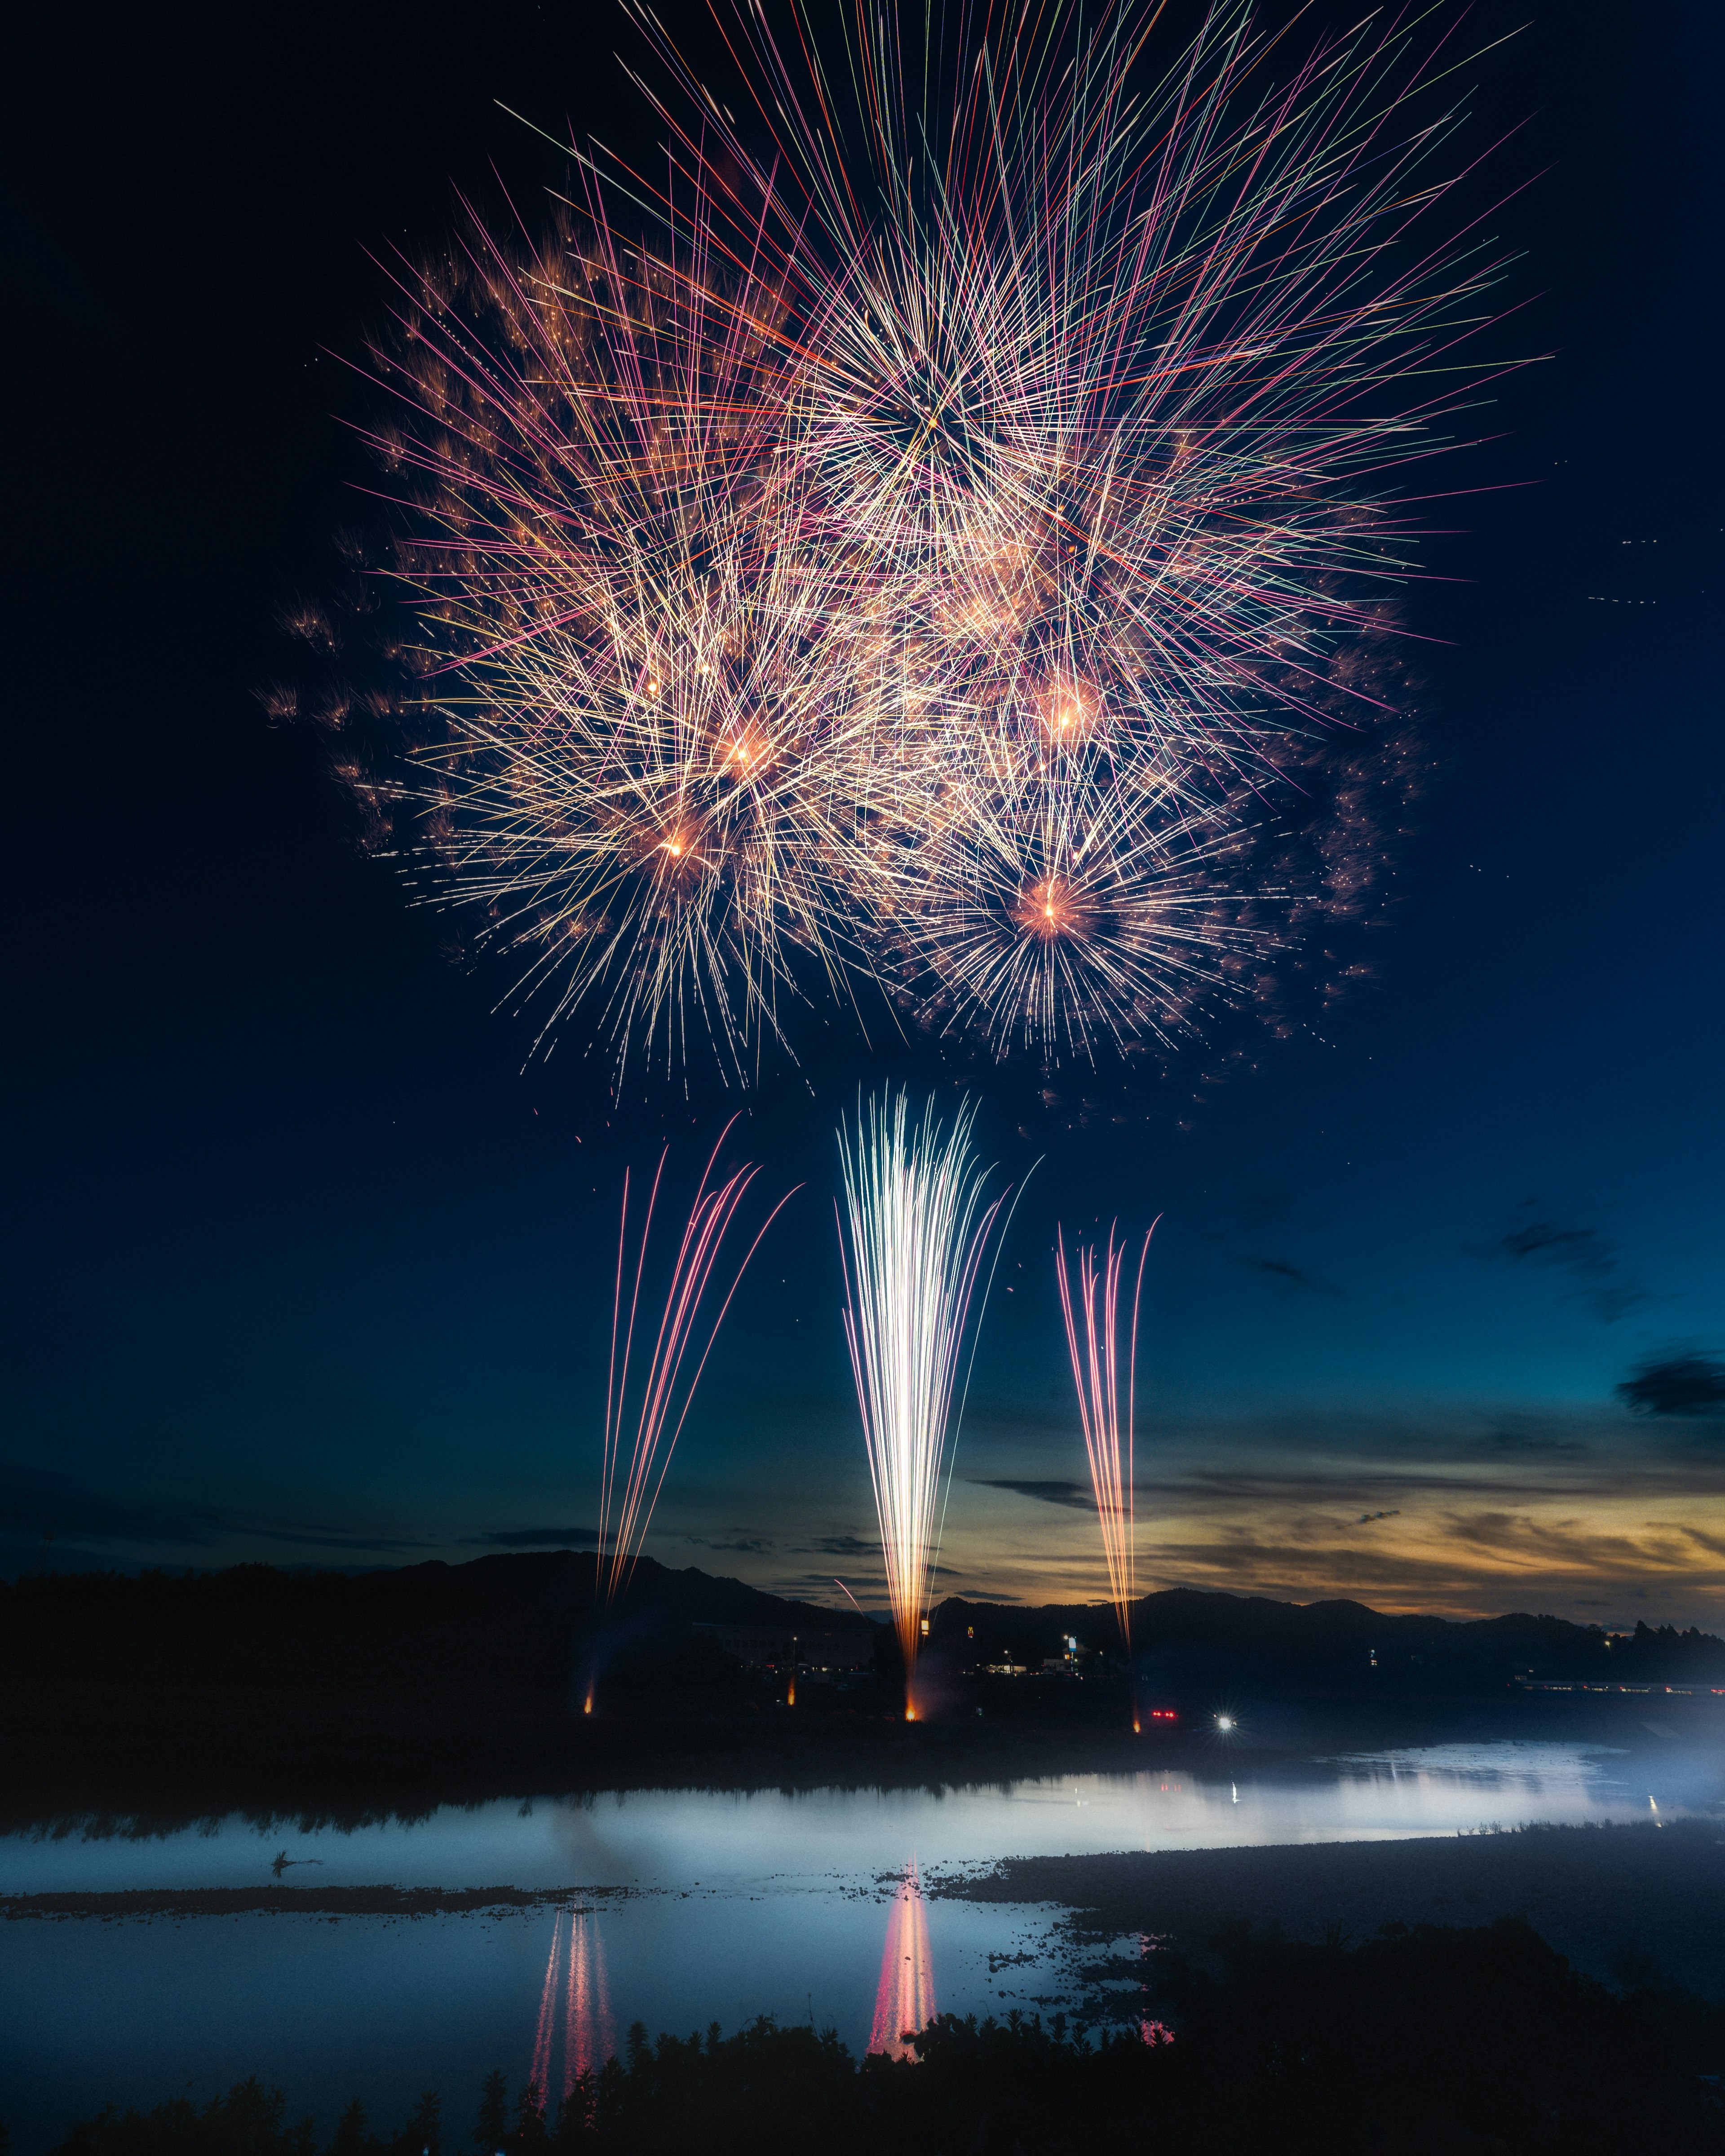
507, 1624
565, 1579
1341, 1645
502, 1627
252, 1687
437, 1676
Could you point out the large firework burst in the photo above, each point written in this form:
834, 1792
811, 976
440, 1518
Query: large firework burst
936, 547
634, 676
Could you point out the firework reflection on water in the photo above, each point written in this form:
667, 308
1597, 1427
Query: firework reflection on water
904, 2002
576, 2030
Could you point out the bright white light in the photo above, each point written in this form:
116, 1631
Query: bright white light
917, 1232
1224, 1722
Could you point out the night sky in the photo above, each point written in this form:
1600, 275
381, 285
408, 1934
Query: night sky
308, 1257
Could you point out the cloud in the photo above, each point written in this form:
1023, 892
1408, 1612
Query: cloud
860, 1584
1345, 1487
1290, 1278
330, 1537
1503, 1444
534, 1539
1590, 1259
40, 1506
847, 1545
1245, 1563
1570, 1546
1675, 1384
746, 1545
1078, 1494
1365, 1518
1267, 1208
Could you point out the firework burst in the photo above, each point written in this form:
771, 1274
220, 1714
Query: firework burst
632, 684
914, 1232
1067, 911
941, 548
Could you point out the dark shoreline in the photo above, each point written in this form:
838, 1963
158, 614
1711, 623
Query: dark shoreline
1641, 1903
331, 1901
345, 1774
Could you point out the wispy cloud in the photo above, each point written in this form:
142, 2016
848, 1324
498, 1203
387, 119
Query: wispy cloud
865, 1586
1683, 1383
1524, 1444
1078, 1494
533, 1538
1284, 1274
39, 1507
1589, 1257
1571, 1547
1457, 1510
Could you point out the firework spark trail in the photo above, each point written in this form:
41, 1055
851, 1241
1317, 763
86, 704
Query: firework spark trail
941, 549
904, 1999
1116, 377
1096, 1373
629, 1485
641, 686
1058, 915
913, 1239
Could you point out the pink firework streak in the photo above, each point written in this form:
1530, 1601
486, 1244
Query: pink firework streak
1096, 1373
629, 1486
904, 2002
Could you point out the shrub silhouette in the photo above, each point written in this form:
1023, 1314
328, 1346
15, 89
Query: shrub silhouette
1414, 2043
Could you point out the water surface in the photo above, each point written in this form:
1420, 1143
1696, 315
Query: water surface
682, 1908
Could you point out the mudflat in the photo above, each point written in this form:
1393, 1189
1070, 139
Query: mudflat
1635, 1905
179, 1902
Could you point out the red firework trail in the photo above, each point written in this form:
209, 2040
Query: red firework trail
904, 2002
1096, 1373
629, 1489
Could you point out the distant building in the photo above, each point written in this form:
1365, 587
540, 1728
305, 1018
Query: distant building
817, 1657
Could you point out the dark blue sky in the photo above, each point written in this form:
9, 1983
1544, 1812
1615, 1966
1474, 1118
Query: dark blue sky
304, 1266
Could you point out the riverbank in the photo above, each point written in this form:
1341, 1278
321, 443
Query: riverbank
1634, 1905
128, 1775
178, 1903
